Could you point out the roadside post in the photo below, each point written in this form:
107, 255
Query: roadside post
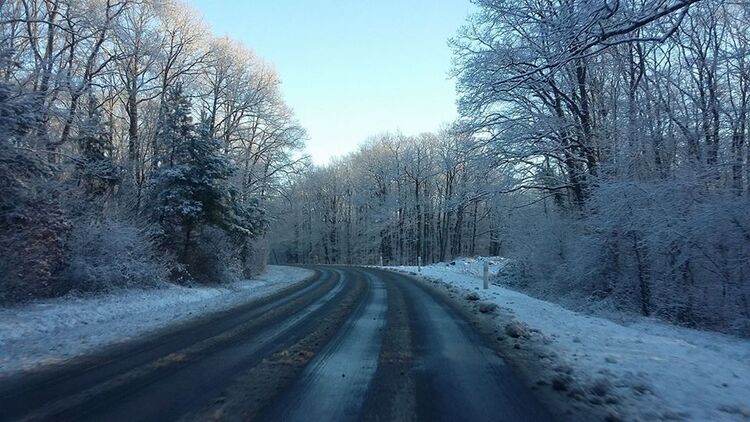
486, 277
381, 260
419, 264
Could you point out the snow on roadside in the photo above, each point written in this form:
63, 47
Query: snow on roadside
658, 370
51, 331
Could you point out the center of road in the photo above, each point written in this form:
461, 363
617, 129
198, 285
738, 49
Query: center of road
334, 384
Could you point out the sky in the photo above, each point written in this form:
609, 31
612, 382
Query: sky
351, 69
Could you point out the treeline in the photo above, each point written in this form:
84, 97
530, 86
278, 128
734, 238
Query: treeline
135, 147
398, 199
602, 145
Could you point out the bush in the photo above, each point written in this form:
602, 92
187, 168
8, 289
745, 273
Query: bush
32, 251
254, 257
33, 227
678, 251
111, 254
212, 257
215, 256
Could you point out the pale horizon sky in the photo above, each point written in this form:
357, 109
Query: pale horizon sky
351, 69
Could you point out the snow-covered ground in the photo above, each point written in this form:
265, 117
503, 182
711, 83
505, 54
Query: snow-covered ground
660, 371
54, 330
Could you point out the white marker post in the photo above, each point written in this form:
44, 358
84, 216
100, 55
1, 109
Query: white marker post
486, 277
381, 260
419, 264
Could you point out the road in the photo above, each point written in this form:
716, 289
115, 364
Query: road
351, 343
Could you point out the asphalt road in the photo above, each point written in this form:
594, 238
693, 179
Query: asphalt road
350, 344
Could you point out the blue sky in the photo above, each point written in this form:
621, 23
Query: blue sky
352, 68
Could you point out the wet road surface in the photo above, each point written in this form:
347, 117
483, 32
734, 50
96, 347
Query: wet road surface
349, 344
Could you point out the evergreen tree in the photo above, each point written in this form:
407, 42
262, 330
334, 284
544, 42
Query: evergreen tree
191, 186
96, 171
176, 130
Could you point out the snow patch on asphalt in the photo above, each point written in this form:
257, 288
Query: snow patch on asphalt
52, 331
659, 371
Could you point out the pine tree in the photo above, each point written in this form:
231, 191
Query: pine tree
176, 130
96, 171
191, 185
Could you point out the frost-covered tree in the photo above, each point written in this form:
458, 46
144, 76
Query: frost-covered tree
601, 145
83, 86
33, 228
398, 198
191, 188
619, 123
96, 170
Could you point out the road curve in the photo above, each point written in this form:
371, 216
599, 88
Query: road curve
351, 343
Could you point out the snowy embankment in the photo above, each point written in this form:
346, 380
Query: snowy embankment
52, 331
658, 371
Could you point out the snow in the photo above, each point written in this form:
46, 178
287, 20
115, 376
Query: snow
52, 331
660, 371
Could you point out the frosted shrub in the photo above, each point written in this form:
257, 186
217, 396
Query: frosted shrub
33, 227
111, 254
537, 240
213, 257
254, 257
676, 250
32, 252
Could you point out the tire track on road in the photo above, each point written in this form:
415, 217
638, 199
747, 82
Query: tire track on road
355, 344
391, 396
333, 386
251, 392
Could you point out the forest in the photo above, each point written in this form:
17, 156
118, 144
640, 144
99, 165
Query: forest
480, 210
136, 147
601, 145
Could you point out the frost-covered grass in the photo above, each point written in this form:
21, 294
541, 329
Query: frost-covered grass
51, 331
659, 371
